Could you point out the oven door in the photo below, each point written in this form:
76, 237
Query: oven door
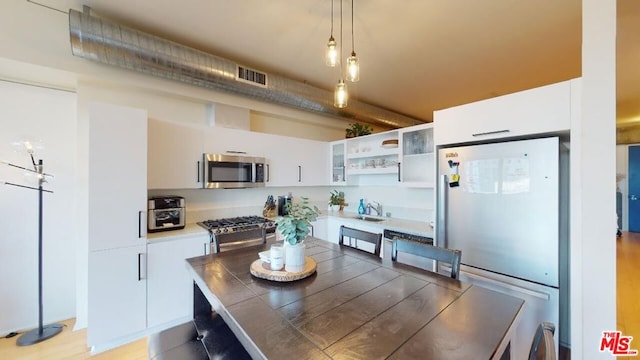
230, 171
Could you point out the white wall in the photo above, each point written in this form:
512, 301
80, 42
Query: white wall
592, 249
48, 116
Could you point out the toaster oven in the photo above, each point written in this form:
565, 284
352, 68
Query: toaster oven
166, 213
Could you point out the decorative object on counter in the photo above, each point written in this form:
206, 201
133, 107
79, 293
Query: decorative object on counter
295, 227
390, 143
269, 210
43, 332
337, 198
263, 270
357, 129
361, 209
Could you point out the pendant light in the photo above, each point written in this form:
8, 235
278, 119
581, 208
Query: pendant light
340, 95
332, 50
353, 66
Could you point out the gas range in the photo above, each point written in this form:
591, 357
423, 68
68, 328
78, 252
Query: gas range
237, 224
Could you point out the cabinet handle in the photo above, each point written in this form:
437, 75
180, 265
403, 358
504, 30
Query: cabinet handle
267, 172
491, 132
140, 276
399, 172
299, 173
235, 152
198, 180
139, 224
204, 249
344, 174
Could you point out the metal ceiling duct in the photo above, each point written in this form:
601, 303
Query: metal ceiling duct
106, 42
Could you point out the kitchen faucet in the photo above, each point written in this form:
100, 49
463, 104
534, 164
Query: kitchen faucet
377, 208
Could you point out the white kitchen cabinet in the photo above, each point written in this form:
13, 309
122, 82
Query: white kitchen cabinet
320, 227
296, 162
541, 110
169, 284
117, 200
117, 176
117, 294
338, 158
174, 156
221, 140
417, 160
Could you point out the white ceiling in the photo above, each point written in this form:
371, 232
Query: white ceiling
416, 56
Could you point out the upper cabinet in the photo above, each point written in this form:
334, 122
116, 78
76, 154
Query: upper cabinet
546, 109
338, 158
417, 161
296, 162
174, 156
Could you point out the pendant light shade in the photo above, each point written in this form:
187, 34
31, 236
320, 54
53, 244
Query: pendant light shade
331, 58
340, 96
353, 68
332, 53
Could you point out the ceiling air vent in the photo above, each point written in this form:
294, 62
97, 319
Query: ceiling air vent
251, 76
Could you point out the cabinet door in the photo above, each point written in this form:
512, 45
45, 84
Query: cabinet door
338, 158
117, 294
296, 162
545, 109
314, 163
169, 284
174, 156
320, 228
417, 165
117, 176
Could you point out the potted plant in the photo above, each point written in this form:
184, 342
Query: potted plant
357, 129
295, 227
337, 198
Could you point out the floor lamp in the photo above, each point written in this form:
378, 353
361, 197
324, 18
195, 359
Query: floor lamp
45, 332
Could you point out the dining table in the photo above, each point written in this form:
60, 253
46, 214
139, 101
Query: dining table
354, 306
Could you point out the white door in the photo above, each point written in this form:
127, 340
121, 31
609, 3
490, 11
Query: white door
117, 176
117, 294
169, 285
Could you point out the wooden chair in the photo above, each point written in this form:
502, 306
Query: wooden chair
543, 346
360, 235
448, 256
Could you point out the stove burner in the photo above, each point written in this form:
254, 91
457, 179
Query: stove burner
236, 224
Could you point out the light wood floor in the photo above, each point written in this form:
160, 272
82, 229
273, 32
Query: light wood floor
72, 345
628, 286
69, 345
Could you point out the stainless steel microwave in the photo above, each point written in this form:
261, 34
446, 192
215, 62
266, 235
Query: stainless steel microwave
222, 171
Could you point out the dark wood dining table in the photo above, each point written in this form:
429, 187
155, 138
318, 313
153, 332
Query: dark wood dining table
355, 306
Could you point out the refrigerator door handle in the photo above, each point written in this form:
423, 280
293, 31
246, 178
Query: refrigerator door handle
441, 225
512, 287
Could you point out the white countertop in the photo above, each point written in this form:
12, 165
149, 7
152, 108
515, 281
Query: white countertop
408, 226
189, 230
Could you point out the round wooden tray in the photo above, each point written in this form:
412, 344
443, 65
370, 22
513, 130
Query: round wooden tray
263, 270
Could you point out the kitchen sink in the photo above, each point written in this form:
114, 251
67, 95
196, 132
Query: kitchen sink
369, 218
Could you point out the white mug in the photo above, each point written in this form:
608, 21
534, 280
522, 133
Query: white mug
276, 257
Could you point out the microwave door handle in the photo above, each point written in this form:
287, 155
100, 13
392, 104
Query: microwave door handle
267, 172
198, 171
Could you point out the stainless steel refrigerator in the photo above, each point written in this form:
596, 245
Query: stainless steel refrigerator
503, 205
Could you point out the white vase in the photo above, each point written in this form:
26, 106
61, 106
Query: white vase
294, 257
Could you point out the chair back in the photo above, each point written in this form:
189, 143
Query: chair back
360, 235
448, 256
543, 346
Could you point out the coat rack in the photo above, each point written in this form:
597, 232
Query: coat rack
42, 333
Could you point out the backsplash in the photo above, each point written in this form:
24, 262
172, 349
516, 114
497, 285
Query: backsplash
203, 204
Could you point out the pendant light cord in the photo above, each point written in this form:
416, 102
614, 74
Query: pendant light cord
331, 18
341, 53
353, 48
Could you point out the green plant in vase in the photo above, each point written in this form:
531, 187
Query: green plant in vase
337, 198
296, 225
356, 129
